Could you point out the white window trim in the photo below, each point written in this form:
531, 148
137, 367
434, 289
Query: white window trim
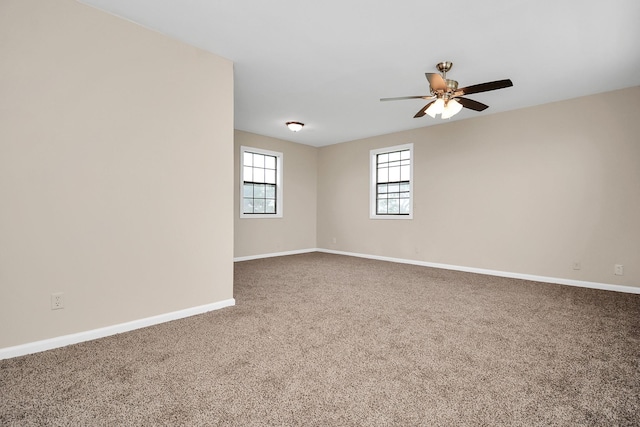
279, 167
373, 183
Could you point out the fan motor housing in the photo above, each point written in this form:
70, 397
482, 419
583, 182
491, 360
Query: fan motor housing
452, 85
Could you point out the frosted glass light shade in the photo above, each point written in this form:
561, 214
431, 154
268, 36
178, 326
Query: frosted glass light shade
295, 126
453, 107
436, 108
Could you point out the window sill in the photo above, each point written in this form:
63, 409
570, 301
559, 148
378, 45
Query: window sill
392, 217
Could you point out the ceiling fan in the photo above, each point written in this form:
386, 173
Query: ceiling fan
447, 98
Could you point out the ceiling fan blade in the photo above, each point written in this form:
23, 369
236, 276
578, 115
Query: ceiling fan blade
436, 81
471, 104
484, 87
406, 97
423, 110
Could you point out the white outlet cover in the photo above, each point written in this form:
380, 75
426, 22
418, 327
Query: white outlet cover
57, 302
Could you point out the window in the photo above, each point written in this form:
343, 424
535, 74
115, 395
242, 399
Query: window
260, 183
391, 194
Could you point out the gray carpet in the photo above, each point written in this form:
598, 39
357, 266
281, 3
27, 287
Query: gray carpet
319, 339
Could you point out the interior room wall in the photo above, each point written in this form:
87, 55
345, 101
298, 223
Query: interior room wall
296, 230
113, 143
529, 191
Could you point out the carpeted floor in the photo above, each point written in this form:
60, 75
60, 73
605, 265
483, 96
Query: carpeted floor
324, 340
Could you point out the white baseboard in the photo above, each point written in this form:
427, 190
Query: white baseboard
65, 340
531, 277
555, 280
296, 252
49, 344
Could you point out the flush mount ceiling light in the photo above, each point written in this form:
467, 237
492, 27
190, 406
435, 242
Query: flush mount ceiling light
447, 98
294, 126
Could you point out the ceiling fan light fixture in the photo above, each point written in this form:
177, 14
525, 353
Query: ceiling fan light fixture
446, 91
294, 126
452, 108
436, 108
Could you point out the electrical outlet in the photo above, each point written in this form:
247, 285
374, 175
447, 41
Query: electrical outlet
618, 270
576, 265
57, 302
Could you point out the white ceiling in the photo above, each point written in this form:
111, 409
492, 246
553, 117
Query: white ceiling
327, 63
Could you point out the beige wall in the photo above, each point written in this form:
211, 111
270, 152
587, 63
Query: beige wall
116, 142
113, 143
528, 191
296, 230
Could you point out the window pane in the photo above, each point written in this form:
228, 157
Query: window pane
394, 188
247, 173
406, 154
405, 195
383, 158
405, 173
404, 206
270, 176
258, 206
392, 164
270, 192
269, 162
258, 160
405, 186
393, 206
382, 206
248, 206
258, 191
394, 174
394, 156
270, 206
247, 159
258, 175
382, 188
248, 190
383, 175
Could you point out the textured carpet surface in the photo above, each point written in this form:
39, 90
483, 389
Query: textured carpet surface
319, 339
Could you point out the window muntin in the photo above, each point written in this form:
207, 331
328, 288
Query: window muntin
391, 182
261, 183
